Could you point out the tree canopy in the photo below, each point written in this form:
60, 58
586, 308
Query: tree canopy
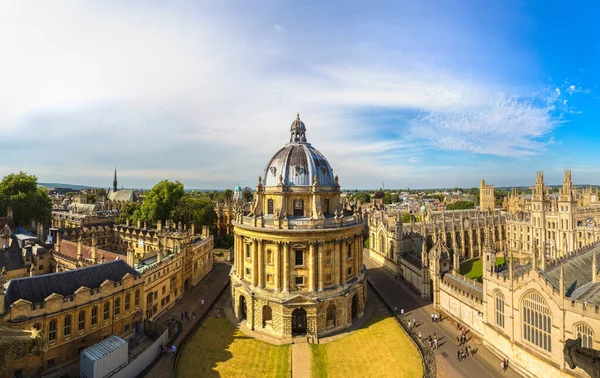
160, 202
247, 194
195, 209
460, 205
20, 192
363, 197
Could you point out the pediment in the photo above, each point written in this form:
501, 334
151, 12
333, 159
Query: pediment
299, 299
82, 289
53, 296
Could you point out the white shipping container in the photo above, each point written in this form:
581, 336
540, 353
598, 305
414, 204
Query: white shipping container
104, 358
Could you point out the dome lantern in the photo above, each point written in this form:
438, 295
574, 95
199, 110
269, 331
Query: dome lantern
298, 131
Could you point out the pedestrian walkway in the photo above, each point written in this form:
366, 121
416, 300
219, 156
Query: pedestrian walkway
207, 290
482, 364
301, 358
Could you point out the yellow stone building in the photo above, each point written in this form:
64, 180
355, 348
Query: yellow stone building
298, 258
487, 201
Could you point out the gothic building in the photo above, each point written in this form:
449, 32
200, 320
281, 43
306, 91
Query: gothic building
298, 257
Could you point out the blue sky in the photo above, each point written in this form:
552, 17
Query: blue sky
412, 93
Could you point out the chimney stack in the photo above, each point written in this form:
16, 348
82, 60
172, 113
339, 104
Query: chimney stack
9, 212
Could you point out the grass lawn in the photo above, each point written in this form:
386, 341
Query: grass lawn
218, 349
379, 349
474, 268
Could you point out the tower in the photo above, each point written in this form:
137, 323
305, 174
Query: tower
489, 253
539, 203
486, 197
567, 204
115, 181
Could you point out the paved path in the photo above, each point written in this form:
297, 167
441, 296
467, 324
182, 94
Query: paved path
483, 365
301, 355
208, 289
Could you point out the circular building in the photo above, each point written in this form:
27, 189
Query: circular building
298, 254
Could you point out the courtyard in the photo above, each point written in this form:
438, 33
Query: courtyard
218, 349
474, 268
378, 349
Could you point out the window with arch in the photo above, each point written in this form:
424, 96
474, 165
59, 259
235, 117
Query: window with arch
587, 335
298, 208
349, 251
94, 315
67, 326
270, 206
331, 315
127, 302
137, 298
537, 321
106, 311
81, 321
499, 308
381, 245
52, 330
117, 306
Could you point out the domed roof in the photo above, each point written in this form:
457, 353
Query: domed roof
238, 188
298, 162
423, 208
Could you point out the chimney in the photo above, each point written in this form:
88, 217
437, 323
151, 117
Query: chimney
57, 244
193, 229
205, 232
159, 225
159, 256
139, 223
9, 212
79, 249
94, 248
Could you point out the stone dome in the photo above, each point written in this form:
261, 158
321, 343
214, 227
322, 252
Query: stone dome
298, 162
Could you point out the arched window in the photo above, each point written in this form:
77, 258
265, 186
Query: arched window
499, 308
117, 306
330, 320
269, 256
298, 208
270, 206
94, 315
106, 311
81, 321
67, 326
537, 321
127, 302
137, 297
381, 245
587, 335
52, 330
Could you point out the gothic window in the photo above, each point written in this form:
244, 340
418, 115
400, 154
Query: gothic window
270, 206
81, 321
94, 315
117, 306
127, 302
298, 208
537, 321
52, 330
137, 298
586, 334
67, 326
499, 308
107, 309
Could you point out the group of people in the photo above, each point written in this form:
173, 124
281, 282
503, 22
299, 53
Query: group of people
185, 315
171, 349
433, 340
461, 354
504, 365
435, 318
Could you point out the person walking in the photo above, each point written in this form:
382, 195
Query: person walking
401, 312
419, 335
458, 355
194, 315
432, 317
173, 349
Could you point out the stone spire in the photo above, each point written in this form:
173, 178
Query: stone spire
115, 181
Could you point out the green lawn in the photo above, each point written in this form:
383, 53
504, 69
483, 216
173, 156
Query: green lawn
379, 349
218, 349
474, 268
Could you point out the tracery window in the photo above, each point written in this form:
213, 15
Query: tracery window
499, 308
127, 302
587, 335
537, 321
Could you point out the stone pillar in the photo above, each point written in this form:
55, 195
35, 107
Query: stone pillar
237, 243
357, 255
342, 263
335, 262
277, 263
471, 252
255, 262
286, 267
261, 263
312, 268
321, 273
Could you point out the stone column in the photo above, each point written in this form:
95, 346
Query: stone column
255, 262
321, 272
335, 258
277, 263
312, 268
342, 262
358, 254
286, 267
261, 263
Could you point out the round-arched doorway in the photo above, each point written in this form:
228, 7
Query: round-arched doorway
242, 308
299, 321
354, 307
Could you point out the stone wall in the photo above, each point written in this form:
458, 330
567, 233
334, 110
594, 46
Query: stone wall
462, 308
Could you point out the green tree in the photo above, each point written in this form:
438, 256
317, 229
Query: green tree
379, 194
460, 205
101, 193
389, 198
20, 192
247, 194
363, 197
228, 194
90, 198
160, 202
199, 210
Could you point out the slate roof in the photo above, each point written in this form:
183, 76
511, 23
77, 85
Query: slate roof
69, 249
467, 287
82, 208
412, 260
12, 257
36, 289
121, 195
578, 271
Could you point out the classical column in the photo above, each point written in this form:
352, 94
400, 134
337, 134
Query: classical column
255, 262
286, 267
236, 254
261, 263
321, 273
277, 263
312, 269
335, 262
342, 262
358, 245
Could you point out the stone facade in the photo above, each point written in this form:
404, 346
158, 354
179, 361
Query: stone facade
487, 201
297, 257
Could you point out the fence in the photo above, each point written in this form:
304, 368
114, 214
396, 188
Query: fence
427, 356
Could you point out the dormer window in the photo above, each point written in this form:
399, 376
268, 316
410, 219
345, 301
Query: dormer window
299, 169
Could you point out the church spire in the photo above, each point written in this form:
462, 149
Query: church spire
115, 181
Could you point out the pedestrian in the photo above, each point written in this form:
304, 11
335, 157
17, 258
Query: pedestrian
457, 340
466, 351
194, 315
414, 322
395, 309
173, 349
458, 355
182, 316
502, 365
435, 342
401, 312
409, 324
432, 317
202, 302
419, 335
436, 318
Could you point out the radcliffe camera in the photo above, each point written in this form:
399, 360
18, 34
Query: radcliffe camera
270, 189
